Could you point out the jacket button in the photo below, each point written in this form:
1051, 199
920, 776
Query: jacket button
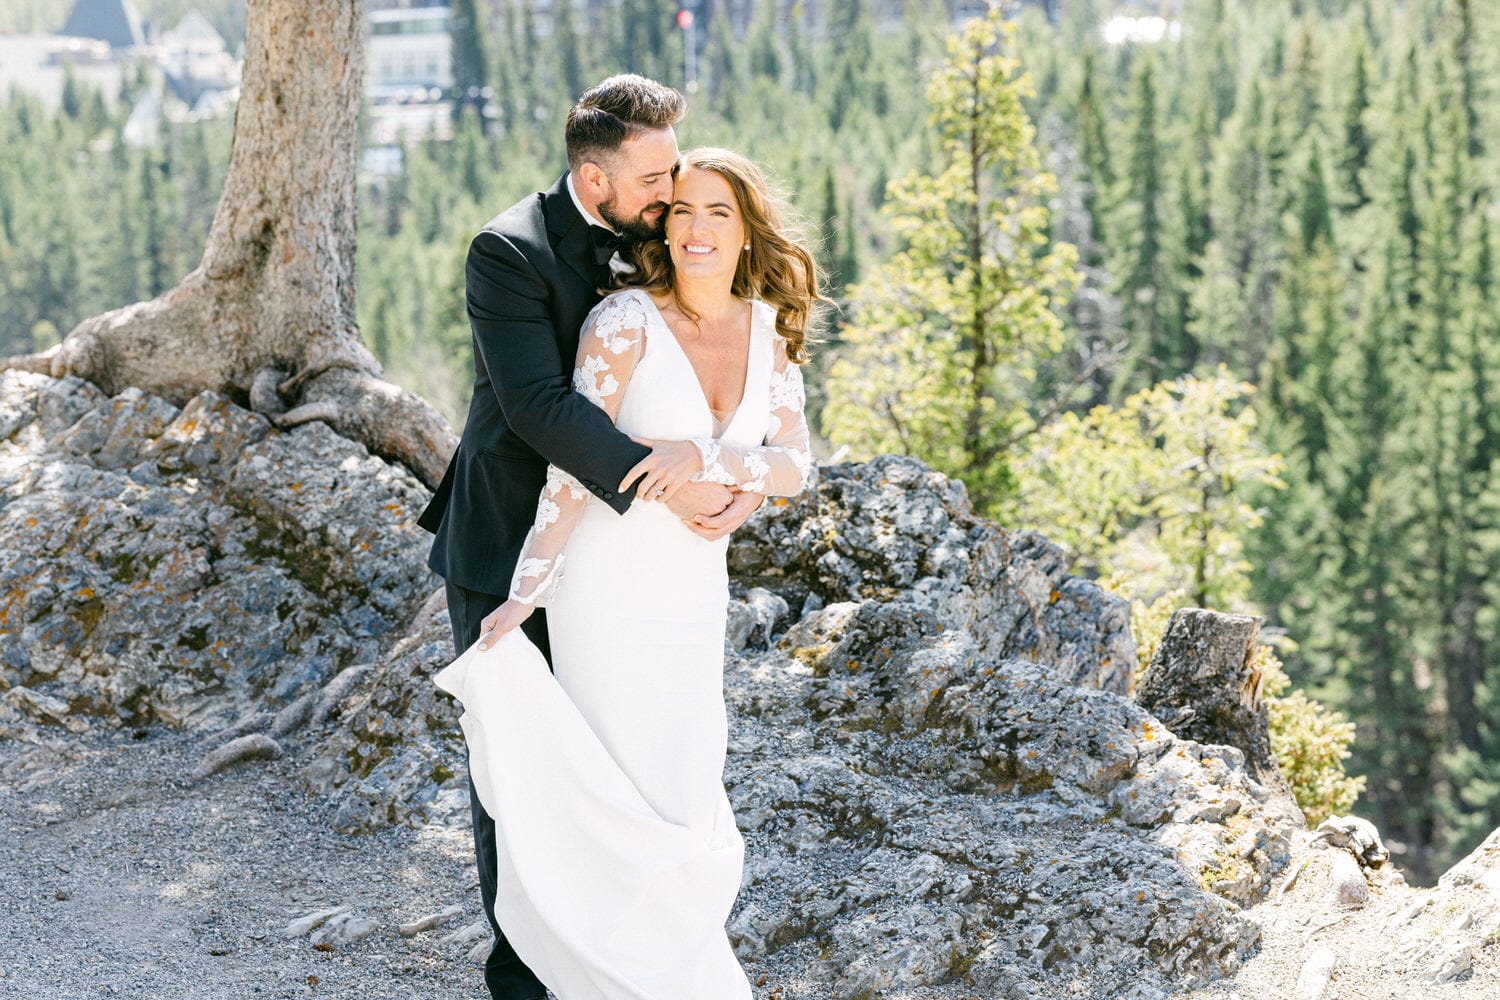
609, 496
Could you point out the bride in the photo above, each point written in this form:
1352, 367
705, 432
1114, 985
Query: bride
618, 853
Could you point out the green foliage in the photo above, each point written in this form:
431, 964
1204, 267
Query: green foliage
947, 334
1311, 744
1153, 493
88, 223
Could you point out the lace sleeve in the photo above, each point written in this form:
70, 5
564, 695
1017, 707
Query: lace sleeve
611, 343
783, 464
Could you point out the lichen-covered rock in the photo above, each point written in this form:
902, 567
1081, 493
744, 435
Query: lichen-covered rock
189, 566
892, 529
397, 755
917, 811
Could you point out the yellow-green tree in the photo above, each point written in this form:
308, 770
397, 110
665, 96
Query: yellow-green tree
1154, 491
945, 337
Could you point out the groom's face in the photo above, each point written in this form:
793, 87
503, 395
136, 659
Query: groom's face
639, 183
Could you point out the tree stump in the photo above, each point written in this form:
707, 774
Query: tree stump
1204, 685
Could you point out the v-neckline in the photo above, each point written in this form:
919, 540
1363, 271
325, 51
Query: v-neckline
682, 352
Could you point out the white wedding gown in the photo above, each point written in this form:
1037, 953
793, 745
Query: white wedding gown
619, 859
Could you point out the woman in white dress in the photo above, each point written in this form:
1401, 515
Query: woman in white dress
619, 859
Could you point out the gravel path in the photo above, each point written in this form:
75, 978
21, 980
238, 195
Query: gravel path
122, 880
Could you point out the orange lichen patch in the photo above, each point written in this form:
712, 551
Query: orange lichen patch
1054, 596
31, 522
393, 506
187, 427
295, 486
779, 501
853, 665
1147, 731
85, 593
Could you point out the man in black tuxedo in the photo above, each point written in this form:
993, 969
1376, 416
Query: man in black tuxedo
533, 274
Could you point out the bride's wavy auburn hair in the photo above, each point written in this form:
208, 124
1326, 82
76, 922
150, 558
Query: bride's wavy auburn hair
777, 269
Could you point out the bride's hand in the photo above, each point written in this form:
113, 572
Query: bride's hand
669, 467
500, 621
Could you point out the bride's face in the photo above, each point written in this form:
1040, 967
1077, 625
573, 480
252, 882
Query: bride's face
705, 231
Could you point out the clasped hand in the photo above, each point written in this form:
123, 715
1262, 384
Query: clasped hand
500, 621
670, 466
710, 510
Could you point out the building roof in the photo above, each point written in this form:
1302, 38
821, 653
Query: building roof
195, 33
114, 21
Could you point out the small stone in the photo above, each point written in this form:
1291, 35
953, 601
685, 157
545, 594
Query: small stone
45, 708
304, 924
62, 894
342, 929
1348, 881
469, 932
1316, 973
1453, 963
430, 921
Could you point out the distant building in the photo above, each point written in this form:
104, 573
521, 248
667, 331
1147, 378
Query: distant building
197, 65
409, 73
100, 42
112, 21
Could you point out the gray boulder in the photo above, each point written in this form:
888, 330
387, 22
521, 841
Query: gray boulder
892, 529
191, 566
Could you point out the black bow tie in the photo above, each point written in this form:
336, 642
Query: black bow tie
605, 243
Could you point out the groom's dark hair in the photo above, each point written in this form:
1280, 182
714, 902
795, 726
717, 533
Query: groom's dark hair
615, 110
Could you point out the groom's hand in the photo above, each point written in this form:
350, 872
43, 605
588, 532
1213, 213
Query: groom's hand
695, 499
737, 513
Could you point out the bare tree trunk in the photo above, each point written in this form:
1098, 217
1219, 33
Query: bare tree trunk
268, 315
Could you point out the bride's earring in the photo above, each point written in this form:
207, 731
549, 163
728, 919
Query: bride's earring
747, 248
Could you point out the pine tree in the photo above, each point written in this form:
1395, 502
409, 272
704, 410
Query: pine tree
1094, 151
1139, 265
968, 302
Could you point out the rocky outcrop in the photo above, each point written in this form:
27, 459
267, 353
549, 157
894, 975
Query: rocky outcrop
934, 763
894, 530
190, 566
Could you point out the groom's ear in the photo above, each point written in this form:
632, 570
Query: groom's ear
593, 177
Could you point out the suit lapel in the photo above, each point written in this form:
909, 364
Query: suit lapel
569, 232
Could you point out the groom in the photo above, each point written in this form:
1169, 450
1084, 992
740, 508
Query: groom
533, 274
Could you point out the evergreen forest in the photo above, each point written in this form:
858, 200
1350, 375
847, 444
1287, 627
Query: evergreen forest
1214, 308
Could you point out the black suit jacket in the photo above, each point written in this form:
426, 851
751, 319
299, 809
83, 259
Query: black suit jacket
532, 278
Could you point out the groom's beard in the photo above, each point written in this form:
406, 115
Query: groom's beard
636, 227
